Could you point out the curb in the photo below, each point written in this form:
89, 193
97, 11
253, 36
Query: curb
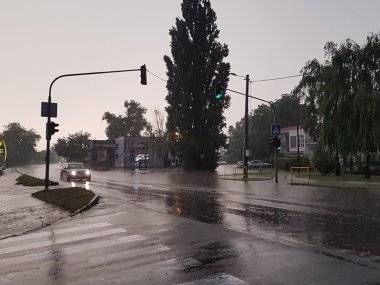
89, 205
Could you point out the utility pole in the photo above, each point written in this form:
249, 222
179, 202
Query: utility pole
275, 149
246, 124
298, 136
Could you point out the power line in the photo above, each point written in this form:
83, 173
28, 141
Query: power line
155, 75
276, 78
251, 81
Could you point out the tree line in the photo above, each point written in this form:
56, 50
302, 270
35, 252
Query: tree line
339, 103
342, 100
22, 142
289, 112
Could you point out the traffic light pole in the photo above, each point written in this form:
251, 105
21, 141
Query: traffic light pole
246, 125
47, 157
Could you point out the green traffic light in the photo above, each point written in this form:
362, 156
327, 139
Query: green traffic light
220, 96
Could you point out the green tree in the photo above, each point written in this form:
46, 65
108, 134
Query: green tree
131, 124
288, 111
196, 66
75, 147
39, 156
342, 95
21, 143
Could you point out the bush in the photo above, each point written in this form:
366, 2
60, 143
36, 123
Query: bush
324, 160
288, 162
68, 199
27, 180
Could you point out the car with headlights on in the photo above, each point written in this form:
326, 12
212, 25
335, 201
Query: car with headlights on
75, 171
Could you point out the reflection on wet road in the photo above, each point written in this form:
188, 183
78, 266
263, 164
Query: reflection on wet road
333, 218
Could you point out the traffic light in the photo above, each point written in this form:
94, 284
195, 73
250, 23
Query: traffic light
143, 75
220, 92
51, 129
278, 143
275, 142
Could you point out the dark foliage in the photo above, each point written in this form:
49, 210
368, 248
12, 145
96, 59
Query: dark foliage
196, 66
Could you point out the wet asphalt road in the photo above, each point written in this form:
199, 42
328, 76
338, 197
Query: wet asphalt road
182, 227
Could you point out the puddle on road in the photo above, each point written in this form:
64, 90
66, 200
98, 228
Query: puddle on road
340, 230
358, 233
210, 254
199, 206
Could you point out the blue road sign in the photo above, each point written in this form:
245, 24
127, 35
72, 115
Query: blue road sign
276, 129
45, 109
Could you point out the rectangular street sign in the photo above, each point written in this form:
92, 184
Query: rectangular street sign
276, 129
45, 109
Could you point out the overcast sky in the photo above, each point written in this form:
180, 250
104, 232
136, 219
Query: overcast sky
43, 39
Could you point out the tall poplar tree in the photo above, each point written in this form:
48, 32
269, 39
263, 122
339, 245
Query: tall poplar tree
196, 66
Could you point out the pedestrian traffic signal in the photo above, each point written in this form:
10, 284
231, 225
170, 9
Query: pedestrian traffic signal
275, 141
278, 143
220, 92
51, 129
143, 75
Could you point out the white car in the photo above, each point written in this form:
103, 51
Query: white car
256, 164
240, 164
75, 171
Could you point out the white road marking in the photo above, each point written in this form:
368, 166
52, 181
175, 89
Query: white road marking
90, 235
130, 253
48, 233
70, 250
81, 228
23, 247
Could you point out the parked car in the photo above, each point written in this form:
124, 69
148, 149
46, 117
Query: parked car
267, 164
240, 164
75, 171
255, 164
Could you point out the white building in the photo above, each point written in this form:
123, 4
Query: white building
289, 142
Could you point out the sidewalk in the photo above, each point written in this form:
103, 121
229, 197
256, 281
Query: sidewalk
19, 211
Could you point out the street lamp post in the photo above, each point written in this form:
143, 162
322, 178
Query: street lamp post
142, 69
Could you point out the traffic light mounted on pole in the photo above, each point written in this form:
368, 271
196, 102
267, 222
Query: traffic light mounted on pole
220, 92
278, 144
51, 126
51, 129
143, 75
275, 142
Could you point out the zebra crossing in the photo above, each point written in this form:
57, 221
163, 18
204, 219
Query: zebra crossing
96, 253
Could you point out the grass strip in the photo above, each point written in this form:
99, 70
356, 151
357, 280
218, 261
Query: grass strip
27, 180
68, 199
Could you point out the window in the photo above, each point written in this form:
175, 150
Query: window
293, 141
302, 140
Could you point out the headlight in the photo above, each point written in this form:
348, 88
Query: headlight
73, 172
88, 172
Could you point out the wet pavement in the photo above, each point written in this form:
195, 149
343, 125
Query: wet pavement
225, 231
19, 212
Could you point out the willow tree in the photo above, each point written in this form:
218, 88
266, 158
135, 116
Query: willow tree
195, 117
